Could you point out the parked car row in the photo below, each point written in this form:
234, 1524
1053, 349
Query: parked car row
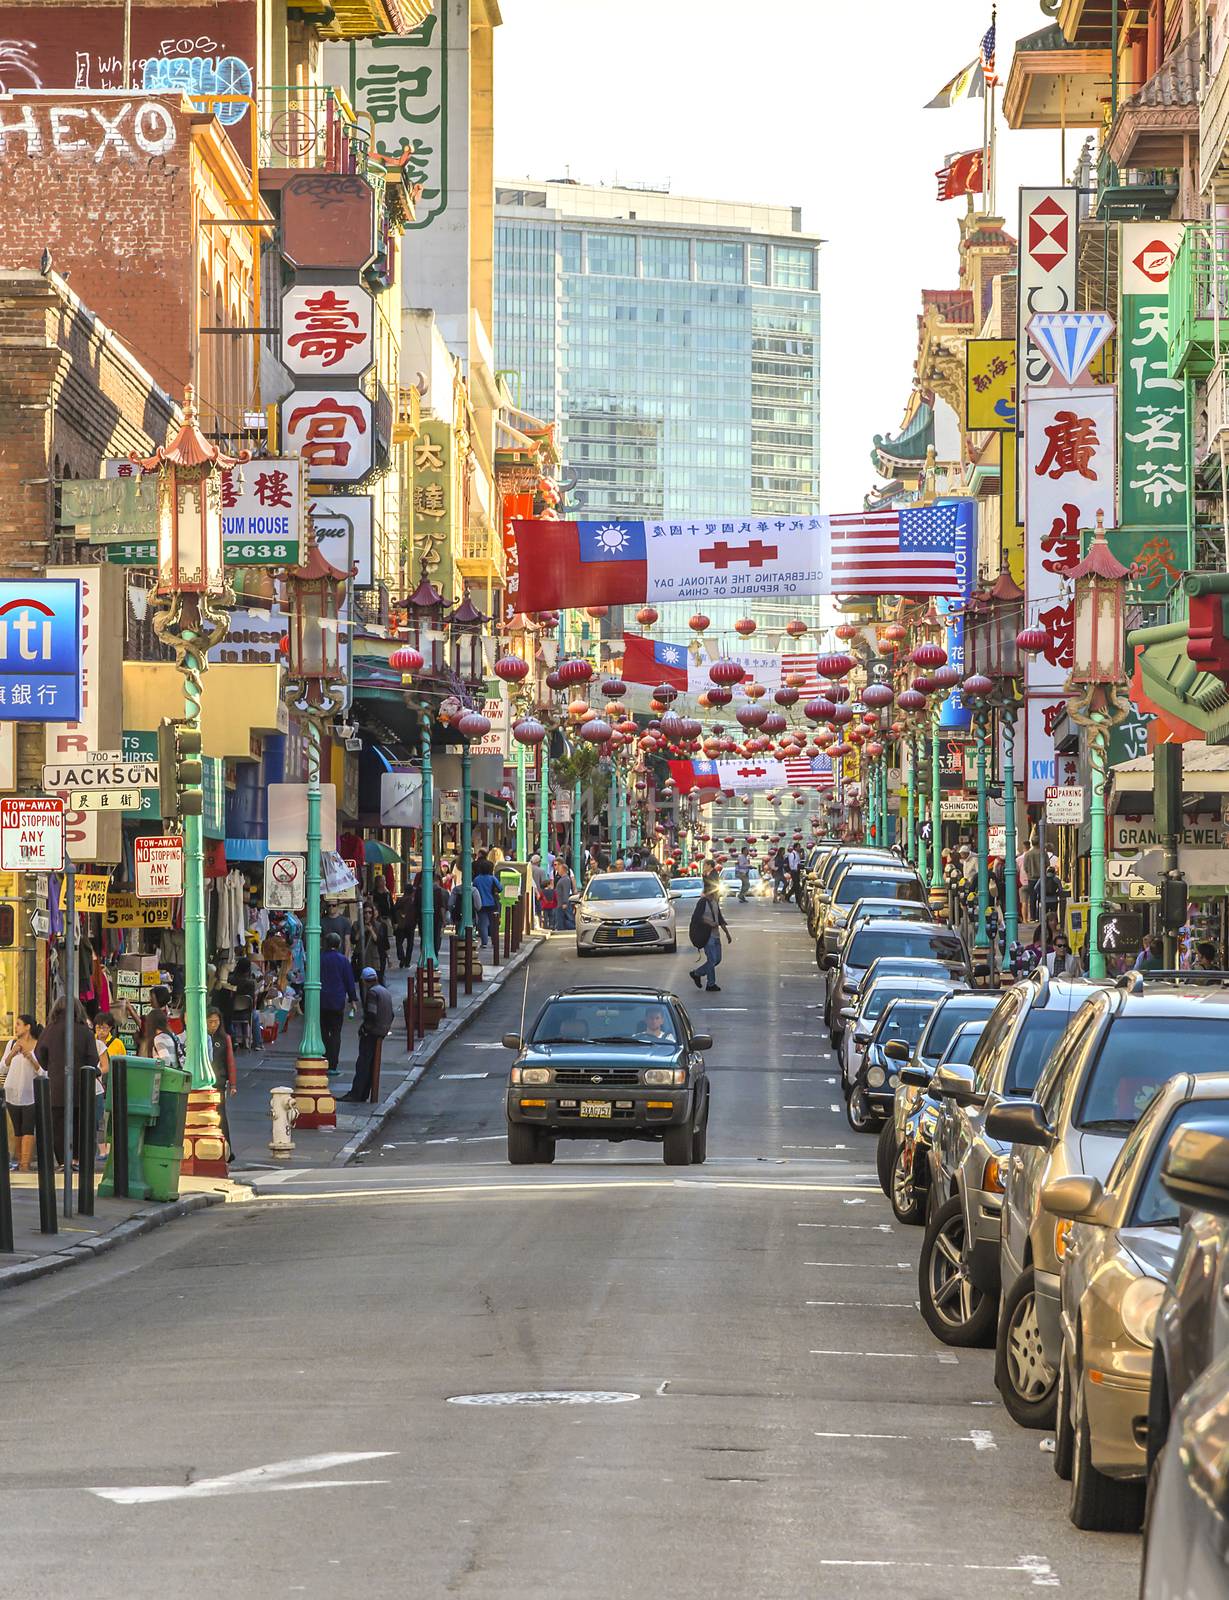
1064, 1147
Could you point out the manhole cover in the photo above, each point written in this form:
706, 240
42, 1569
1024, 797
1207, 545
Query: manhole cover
545, 1397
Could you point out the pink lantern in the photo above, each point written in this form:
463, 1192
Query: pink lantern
786, 697
528, 731
719, 697
945, 678
774, 722
577, 670
1032, 639
911, 700
929, 655
835, 665
727, 672
613, 688
511, 669
877, 694
977, 686
406, 659
597, 731
819, 710
472, 725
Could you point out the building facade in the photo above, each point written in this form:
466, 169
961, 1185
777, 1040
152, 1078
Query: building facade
677, 342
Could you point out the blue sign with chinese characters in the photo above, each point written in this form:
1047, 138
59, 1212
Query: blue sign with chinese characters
40, 650
955, 714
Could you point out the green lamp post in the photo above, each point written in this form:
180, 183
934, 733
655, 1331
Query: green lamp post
1004, 622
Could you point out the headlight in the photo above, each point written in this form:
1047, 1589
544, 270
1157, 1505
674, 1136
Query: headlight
1062, 1237
665, 1077
875, 1077
992, 1177
1140, 1305
531, 1074
587, 916
893, 1081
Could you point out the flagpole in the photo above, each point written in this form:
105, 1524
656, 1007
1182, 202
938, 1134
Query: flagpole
991, 90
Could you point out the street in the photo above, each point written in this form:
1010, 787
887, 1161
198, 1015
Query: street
794, 1430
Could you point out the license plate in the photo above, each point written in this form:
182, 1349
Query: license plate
595, 1108
625, 933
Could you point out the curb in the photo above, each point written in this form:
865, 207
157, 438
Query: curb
426, 1052
142, 1222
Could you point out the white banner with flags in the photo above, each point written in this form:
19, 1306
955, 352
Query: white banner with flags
752, 772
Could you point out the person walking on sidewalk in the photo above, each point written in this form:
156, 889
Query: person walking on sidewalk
337, 990
52, 1056
376, 1025
743, 873
222, 1058
18, 1070
488, 898
707, 926
109, 1044
403, 924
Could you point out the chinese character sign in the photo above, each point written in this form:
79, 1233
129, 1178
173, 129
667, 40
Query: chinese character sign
331, 429
1155, 431
327, 330
990, 385
1069, 471
262, 512
435, 498
954, 712
401, 83
40, 651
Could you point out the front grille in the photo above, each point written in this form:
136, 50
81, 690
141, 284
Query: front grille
580, 1076
642, 933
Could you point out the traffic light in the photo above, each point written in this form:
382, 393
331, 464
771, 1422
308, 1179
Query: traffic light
180, 770
1173, 900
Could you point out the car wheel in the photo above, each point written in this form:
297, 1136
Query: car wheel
522, 1144
676, 1146
1022, 1375
953, 1307
885, 1156
546, 1150
1100, 1504
819, 954
1064, 1432
858, 1113
583, 950
672, 948
908, 1205
699, 1142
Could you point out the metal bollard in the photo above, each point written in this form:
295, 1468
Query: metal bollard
420, 1020
119, 1127
452, 971
374, 1096
45, 1155
6, 1187
469, 961
87, 1094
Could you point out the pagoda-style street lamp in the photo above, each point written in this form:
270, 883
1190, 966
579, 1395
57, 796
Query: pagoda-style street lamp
191, 586
314, 692
425, 631
1093, 699
465, 625
1004, 625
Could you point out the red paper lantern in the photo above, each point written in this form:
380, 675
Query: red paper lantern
577, 670
646, 616
718, 696
929, 655
511, 669
786, 697
528, 731
406, 659
847, 631
614, 688
751, 716
666, 693
597, 612
473, 725
877, 694
1032, 639
745, 626
726, 672
911, 700
596, 731
977, 685
698, 623
796, 628
945, 678
835, 665
819, 710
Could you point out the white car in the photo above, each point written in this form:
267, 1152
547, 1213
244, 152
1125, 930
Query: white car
625, 911
731, 884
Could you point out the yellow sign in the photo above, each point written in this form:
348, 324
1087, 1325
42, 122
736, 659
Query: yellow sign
1011, 532
89, 894
126, 911
990, 385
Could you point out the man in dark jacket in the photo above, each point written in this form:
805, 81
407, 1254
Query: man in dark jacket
707, 926
51, 1054
376, 1025
336, 990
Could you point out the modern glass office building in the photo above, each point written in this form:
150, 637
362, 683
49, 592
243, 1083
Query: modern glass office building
676, 340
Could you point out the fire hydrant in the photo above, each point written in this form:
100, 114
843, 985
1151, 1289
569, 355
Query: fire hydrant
285, 1114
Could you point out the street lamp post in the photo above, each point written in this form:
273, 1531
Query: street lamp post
1004, 622
315, 692
1093, 688
191, 584
978, 686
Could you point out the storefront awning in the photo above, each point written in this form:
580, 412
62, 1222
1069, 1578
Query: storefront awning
1205, 770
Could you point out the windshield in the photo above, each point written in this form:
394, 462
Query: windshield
950, 1017
881, 993
861, 885
879, 939
904, 1021
1038, 1036
600, 1021
961, 1049
627, 886
1154, 1208
1137, 1056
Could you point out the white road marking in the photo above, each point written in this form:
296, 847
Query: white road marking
663, 1386
866, 1305
1035, 1567
861, 1227
483, 1138
854, 1203
801, 1108
890, 1355
834, 1106
448, 1076
900, 1266
979, 1438
254, 1480
902, 1437
484, 1045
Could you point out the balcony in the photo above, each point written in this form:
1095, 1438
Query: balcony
1199, 300
481, 553
311, 128
408, 424
1214, 119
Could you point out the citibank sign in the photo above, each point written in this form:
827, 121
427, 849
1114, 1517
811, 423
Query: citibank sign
40, 651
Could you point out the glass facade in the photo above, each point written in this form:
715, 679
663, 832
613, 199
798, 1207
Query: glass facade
681, 364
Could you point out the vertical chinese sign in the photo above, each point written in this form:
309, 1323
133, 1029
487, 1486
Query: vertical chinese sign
990, 407
1154, 535
435, 504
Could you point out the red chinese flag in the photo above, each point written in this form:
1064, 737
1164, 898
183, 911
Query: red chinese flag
963, 174
579, 564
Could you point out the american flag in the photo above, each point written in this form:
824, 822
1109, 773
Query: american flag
802, 772
895, 552
803, 662
987, 53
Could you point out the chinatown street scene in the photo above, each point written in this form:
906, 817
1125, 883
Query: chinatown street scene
614, 799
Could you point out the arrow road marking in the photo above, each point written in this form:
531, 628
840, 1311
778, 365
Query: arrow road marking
254, 1480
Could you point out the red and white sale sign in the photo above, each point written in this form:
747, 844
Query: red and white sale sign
159, 866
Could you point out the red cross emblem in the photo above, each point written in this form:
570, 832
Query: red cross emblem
752, 772
722, 555
1048, 234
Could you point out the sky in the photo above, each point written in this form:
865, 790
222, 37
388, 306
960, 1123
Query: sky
811, 103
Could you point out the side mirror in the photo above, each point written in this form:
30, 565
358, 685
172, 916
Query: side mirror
826, 963
915, 1077
862, 1036
512, 1041
1196, 1168
897, 1050
1077, 1198
1020, 1122
575, 899
701, 1041
676, 894
954, 1081
848, 1014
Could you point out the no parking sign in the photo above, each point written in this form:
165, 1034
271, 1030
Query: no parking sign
285, 883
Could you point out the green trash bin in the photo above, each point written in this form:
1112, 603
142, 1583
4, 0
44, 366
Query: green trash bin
144, 1090
162, 1151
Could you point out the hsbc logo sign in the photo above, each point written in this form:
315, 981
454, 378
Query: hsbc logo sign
1049, 235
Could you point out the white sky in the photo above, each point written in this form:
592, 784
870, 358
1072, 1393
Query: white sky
811, 103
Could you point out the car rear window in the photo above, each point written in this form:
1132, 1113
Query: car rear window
1138, 1055
869, 885
952, 1016
962, 1050
881, 993
1039, 1033
627, 886
888, 939
905, 1021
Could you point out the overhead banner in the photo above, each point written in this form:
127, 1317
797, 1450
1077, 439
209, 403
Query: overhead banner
1070, 457
752, 772
990, 385
1153, 536
562, 564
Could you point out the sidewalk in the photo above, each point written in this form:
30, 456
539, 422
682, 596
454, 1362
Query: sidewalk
262, 1070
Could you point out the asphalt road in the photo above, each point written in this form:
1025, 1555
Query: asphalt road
777, 1422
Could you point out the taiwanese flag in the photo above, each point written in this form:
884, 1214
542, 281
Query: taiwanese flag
647, 661
563, 564
689, 775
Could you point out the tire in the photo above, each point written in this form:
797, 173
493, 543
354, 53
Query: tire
676, 1146
1100, 1504
1026, 1384
522, 1144
819, 954
672, 949
699, 1142
858, 1114
962, 1316
582, 951
885, 1157
546, 1150
1064, 1432
908, 1206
